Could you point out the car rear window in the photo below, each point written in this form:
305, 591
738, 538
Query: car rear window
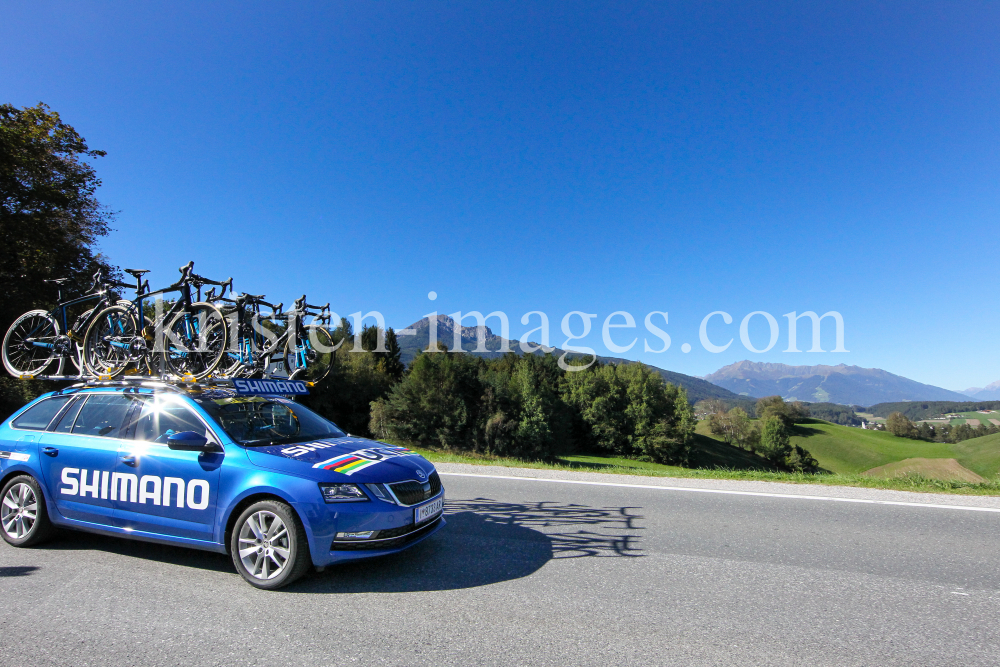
38, 416
101, 415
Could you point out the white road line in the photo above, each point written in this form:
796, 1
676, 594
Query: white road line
761, 494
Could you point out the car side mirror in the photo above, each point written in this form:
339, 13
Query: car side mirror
188, 441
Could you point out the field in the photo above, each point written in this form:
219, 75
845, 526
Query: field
847, 451
974, 418
935, 468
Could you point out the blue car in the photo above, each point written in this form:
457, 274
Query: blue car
260, 477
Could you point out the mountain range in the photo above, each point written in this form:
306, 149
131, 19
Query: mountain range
416, 337
990, 392
847, 385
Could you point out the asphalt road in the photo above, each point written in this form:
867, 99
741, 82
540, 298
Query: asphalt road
543, 573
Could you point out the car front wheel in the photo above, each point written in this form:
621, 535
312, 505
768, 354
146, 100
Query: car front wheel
269, 545
23, 519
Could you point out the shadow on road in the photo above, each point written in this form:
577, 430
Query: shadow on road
72, 540
485, 542
17, 570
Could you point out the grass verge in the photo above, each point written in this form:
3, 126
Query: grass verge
621, 466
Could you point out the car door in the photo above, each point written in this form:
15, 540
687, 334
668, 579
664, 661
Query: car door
78, 454
175, 491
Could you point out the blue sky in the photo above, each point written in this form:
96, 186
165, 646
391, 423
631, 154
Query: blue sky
555, 156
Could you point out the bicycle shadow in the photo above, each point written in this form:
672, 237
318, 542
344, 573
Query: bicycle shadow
486, 542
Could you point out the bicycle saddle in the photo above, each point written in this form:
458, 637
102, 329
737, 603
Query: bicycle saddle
136, 272
57, 281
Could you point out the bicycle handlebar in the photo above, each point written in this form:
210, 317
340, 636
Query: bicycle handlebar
97, 280
301, 305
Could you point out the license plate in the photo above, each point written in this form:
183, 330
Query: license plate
427, 511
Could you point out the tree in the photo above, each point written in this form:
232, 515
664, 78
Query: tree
437, 404
926, 431
788, 413
735, 427
799, 460
389, 361
629, 410
897, 424
50, 220
774, 441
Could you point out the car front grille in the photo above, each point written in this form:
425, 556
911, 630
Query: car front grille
412, 492
387, 539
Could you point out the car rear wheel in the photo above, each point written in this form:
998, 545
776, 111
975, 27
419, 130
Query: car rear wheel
269, 545
23, 519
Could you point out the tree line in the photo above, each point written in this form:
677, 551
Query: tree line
526, 406
900, 425
915, 411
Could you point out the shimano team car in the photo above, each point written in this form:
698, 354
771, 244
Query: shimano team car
239, 469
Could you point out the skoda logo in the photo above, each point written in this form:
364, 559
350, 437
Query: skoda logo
421, 475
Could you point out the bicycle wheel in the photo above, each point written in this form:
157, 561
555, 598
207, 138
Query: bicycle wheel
312, 360
111, 343
195, 341
230, 362
236, 351
141, 355
29, 346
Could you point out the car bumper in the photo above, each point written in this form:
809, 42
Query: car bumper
393, 530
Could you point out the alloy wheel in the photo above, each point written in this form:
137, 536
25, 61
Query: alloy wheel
264, 545
18, 511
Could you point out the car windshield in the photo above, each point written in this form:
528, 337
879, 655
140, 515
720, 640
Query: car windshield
258, 421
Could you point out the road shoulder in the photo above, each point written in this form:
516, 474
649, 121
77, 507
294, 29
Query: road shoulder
806, 491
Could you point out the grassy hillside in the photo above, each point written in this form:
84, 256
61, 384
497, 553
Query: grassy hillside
980, 455
852, 450
847, 451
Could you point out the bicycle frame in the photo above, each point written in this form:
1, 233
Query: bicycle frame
61, 311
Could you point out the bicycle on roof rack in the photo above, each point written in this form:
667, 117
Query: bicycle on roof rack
40, 338
306, 351
189, 338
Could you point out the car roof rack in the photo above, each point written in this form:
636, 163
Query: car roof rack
184, 384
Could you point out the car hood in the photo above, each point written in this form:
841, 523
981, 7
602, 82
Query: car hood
342, 459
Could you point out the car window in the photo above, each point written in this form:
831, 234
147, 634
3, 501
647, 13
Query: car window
38, 416
101, 415
161, 417
65, 424
257, 421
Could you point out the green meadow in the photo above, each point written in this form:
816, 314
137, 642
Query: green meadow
845, 452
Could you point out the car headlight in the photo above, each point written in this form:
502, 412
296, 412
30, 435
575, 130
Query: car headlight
342, 493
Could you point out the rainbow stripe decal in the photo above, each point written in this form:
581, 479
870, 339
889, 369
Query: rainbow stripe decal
348, 464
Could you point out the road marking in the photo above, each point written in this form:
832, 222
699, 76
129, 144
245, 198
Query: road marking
760, 494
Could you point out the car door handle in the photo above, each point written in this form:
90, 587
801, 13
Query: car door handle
128, 460
51, 451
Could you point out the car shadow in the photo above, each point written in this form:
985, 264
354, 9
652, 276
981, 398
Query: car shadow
17, 570
72, 540
486, 542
